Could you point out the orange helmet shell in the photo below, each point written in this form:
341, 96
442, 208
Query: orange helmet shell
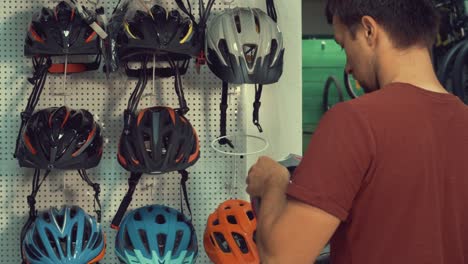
230, 234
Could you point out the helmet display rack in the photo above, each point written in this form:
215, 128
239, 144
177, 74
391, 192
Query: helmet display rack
210, 178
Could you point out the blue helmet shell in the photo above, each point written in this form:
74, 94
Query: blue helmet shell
156, 234
66, 236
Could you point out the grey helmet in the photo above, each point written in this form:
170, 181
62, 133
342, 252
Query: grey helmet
244, 45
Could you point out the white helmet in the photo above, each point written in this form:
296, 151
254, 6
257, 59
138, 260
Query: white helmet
244, 45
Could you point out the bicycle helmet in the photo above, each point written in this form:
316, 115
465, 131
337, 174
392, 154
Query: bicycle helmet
230, 234
158, 140
60, 138
244, 45
61, 31
157, 31
156, 234
68, 235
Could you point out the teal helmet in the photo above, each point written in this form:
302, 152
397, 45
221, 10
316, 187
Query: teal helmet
156, 234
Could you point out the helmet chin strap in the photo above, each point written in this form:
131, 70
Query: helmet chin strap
41, 67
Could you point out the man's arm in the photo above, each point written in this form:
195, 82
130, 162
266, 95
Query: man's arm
289, 231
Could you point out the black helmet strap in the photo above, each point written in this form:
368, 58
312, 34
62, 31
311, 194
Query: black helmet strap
133, 182
38, 80
143, 73
224, 106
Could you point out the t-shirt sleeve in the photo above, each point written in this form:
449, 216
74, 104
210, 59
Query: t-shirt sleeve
335, 163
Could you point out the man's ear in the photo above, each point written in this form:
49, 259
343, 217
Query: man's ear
371, 29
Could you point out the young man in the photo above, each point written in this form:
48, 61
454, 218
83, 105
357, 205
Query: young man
385, 177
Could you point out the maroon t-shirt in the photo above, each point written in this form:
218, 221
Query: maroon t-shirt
393, 167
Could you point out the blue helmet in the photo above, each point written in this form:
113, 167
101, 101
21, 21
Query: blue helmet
156, 234
67, 236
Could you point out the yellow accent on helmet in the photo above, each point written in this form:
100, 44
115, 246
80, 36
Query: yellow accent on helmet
127, 28
189, 33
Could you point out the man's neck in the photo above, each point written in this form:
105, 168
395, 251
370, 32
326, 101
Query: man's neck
413, 66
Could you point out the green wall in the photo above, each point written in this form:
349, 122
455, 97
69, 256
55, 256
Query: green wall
320, 59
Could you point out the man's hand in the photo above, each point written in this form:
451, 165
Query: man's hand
288, 231
266, 174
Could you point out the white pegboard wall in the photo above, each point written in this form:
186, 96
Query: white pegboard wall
213, 179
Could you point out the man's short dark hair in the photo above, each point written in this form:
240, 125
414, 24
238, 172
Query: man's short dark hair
408, 22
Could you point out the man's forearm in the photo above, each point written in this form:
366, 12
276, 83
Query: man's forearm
272, 206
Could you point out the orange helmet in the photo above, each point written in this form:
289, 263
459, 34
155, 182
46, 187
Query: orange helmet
230, 234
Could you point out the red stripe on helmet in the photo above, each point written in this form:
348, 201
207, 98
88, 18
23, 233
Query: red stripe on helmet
35, 36
27, 142
91, 37
66, 117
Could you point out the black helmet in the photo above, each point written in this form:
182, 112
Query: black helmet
158, 140
157, 31
60, 138
61, 31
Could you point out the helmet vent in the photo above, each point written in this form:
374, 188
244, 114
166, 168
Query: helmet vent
232, 219
161, 243
238, 23
133, 31
222, 243
127, 241
86, 234
137, 216
250, 215
60, 221
63, 245
98, 241
73, 212
216, 222
273, 50
241, 243
53, 245
158, 11
212, 241
257, 24
174, 15
38, 241
160, 219
74, 235
144, 240
46, 217
254, 236
178, 239
180, 217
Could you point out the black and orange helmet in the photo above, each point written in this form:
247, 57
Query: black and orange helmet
60, 138
230, 234
158, 140
63, 31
